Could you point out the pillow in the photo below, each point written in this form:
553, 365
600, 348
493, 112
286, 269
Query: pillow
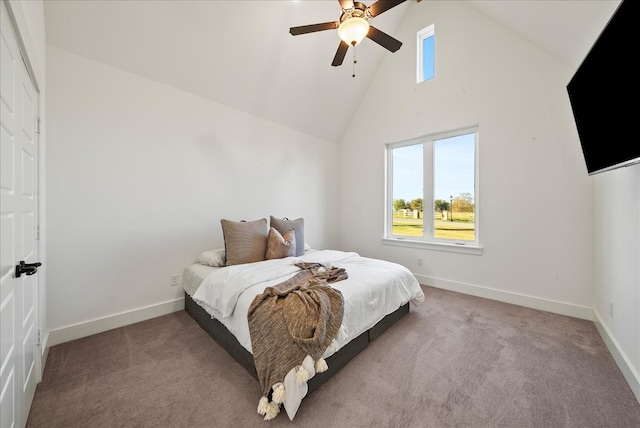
279, 245
244, 241
212, 257
282, 225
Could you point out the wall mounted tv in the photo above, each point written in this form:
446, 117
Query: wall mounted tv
602, 93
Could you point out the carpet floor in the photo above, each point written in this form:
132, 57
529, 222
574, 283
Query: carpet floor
453, 361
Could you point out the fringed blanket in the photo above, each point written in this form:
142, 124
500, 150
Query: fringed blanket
297, 318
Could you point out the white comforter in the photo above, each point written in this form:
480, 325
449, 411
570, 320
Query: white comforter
373, 289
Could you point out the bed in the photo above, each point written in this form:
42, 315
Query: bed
376, 294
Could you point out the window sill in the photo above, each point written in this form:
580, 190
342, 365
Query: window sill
435, 246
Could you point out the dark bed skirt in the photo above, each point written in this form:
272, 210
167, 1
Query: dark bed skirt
335, 362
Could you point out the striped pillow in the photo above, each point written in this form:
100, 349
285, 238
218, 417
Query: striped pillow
244, 241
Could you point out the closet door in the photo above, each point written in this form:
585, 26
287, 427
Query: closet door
18, 222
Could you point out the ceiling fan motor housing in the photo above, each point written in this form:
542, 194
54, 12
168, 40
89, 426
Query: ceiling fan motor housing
359, 10
354, 23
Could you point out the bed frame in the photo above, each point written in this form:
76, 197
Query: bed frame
228, 341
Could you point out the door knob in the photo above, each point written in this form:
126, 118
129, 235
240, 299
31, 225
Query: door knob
26, 268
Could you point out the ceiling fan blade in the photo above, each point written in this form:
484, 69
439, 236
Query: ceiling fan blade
304, 29
346, 4
340, 54
383, 39
383, 5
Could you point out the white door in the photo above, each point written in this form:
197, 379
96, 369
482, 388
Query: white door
18, 216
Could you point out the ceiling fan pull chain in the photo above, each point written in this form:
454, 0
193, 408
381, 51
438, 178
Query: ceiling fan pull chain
354, 62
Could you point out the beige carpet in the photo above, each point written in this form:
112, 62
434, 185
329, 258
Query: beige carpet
454, 361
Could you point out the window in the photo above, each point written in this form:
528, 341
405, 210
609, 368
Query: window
426, 53
431, 190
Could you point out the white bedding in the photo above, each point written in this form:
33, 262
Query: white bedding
374, 288
193, 275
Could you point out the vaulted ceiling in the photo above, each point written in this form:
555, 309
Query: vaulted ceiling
240, 53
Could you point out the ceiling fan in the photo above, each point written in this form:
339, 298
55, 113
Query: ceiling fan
354, 26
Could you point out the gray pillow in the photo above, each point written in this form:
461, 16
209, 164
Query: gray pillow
284, 224
244, 241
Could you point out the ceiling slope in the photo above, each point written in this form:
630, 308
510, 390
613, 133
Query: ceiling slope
237, 53
566, 29
240, 53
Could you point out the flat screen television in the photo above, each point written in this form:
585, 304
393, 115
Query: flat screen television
602, 94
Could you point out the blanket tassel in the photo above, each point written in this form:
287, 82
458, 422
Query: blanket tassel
321, 365
268, 408
263, 405
279, 393
302, 375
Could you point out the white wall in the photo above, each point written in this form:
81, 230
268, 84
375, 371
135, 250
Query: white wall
545, 245
617, 276
140, 174
535, 198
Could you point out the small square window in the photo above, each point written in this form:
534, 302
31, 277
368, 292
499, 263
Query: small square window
426, 53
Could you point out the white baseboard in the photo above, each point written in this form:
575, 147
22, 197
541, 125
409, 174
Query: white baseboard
630, 374
77, 331
557, 307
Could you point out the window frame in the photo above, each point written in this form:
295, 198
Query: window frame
428, 239
425, 33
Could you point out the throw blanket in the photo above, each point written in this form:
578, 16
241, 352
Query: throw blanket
295, 319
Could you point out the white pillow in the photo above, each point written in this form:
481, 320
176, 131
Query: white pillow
215, 257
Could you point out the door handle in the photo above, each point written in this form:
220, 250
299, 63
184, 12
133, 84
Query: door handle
26, 268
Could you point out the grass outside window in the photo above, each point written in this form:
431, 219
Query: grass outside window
460, 227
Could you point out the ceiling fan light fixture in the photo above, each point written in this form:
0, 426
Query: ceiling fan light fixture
353, 30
